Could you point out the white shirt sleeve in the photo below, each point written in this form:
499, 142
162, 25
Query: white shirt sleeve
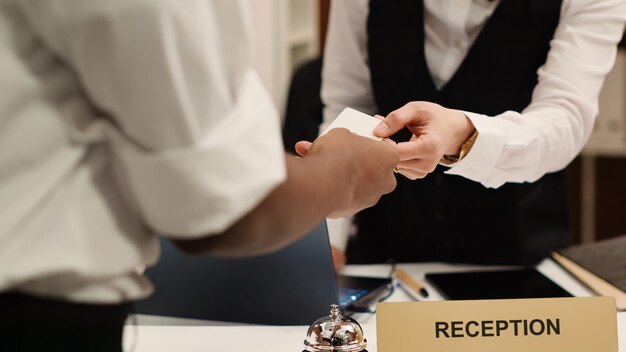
553, 129
193, 130
511, 147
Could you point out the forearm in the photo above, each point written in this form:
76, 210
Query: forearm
515, 147
316, 186
551, 131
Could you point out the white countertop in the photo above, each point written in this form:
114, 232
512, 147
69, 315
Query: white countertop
204, 336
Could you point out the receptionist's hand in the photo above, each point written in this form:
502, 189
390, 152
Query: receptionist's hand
437, 131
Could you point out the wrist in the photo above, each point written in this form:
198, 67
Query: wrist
340, 172
464, 129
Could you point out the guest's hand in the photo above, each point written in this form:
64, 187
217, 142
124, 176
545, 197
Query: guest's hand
371, 165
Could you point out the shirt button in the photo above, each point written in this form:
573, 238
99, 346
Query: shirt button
458, 44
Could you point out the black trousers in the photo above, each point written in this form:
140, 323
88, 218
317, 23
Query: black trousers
29, 323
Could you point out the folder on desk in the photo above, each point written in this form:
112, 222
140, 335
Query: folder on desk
600, 265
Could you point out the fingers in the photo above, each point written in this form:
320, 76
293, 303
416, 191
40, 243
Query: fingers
302, 148
417, 169
389, 141
416, 159
423, 147
412, 114
420, 165
412, 174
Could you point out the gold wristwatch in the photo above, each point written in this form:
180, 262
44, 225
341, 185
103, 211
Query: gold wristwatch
451, 160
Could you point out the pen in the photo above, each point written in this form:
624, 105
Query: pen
406, 291
410, 282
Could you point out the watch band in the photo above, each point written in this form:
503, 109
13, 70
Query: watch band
451, 160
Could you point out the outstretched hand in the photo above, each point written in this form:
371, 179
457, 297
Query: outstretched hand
369, 164
437, 131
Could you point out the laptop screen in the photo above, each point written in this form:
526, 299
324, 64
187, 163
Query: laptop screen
294, 286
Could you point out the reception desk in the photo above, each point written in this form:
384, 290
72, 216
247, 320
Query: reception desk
156, 334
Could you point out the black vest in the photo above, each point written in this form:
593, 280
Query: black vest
450, 218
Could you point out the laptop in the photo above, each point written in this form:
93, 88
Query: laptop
294, 286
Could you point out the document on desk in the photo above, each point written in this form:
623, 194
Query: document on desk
356, 122
214, 338
222, 338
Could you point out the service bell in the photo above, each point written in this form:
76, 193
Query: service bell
335, 333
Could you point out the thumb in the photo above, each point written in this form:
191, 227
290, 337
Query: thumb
398, 119
302, 148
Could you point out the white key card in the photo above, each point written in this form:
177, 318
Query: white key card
356, 122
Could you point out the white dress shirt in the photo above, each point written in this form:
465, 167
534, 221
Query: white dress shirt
513, 146
119, 119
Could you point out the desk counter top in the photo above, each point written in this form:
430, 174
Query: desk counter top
168, 335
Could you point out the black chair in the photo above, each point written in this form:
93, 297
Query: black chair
304, 112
